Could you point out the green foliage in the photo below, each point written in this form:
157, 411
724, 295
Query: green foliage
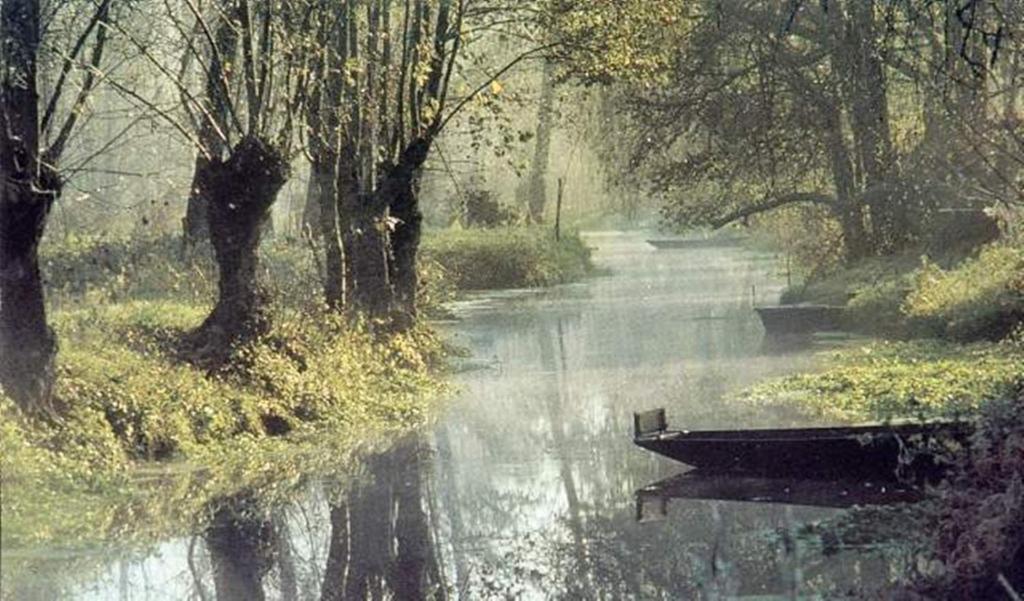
119, 365
606, 40
977, 298
131, 398
98, 270
900, 380
507, 257
808, 234
981, 298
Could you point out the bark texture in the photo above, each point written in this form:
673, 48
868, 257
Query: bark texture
241, 191
28, 187
401, 193
28, 345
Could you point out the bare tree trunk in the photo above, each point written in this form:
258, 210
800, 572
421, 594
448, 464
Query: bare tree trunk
196, 226
28, 188
869, 112
849, 211
367, 246
537, 189
324, 192
241, 191
399, 192
27, 344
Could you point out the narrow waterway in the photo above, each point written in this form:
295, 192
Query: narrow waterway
526, 486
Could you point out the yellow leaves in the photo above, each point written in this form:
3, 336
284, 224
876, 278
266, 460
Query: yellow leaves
496, 87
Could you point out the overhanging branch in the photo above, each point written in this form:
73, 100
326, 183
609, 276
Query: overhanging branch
771, 204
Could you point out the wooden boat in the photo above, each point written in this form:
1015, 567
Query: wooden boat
875, 451
679, 243
700, 485
800, 319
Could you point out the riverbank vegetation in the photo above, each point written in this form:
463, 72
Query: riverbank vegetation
126, 390
508, 257
890, 175
878, 144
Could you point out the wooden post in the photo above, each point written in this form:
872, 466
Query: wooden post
558, 210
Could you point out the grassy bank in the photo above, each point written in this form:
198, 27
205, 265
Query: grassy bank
131, 403
961, 355
507, 257
128, 400
979, 296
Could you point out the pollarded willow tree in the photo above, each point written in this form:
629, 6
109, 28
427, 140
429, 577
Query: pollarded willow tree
240, 75
36, 122
380, 95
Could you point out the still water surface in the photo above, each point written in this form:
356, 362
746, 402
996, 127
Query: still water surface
525, 488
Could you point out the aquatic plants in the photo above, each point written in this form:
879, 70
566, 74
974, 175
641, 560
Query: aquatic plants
894, 380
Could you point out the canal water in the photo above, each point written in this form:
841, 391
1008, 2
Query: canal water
526, 487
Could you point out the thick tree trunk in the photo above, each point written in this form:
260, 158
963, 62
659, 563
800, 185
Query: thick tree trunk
405, 243
27, 344
399, 192
849, 211
28, 188
196, 226
366, 244
240, 191
869, 112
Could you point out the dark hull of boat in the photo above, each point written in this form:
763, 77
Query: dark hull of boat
831, 453
694, 243
800, 319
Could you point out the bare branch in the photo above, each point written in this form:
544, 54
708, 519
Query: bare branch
101, 14
441, 123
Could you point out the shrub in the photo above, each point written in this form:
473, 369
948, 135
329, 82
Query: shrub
118, 368
983, 298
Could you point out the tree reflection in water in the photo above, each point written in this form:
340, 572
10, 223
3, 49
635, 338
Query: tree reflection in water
381, 542
382, 545
242, 543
